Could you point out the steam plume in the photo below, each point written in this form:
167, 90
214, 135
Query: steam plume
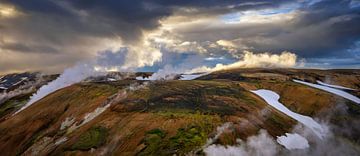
26, 88
67, 78
251, 60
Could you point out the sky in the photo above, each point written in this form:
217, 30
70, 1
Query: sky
146, 35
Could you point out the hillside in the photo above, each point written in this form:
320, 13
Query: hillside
132, 117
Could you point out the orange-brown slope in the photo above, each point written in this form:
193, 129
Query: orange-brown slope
175, 107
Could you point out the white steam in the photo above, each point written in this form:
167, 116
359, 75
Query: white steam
251, 60
166, 73
67, 78
300, 143
124, 59
170, 73
219, 130
258, 145
26, 88
6, 96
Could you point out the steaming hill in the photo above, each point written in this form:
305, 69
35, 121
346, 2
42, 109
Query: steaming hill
15, 89
222, 113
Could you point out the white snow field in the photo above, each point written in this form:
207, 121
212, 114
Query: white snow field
332, 90
334, 86
144, 79
272, 99
191, 76
293, 141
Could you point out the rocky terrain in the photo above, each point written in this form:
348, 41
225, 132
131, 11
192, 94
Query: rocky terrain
119, 115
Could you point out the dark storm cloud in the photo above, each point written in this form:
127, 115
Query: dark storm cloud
28, 48
74, 29
40, 6
325, 29
126, 18
338, 23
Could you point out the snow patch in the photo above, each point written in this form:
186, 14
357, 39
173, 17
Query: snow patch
92, 115
334, 86
332, 90
144, 78
191, 76
89, 116
293, 141
22, 79
68, 122
111, 79
60, 141
272, 99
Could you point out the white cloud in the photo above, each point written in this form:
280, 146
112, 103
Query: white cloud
251, 60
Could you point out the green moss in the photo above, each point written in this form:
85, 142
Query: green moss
258, 86
249, 100
157, 131
13, 104
276, 120
188, 139
153, 142
185, 140
92, 138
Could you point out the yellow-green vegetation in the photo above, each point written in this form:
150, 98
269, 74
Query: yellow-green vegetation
189, 138
169, 117
258, 86
92, 138
276, 120
173, 114
217, 97
96, 90
194, 116
186, 139
153, 140
13, 104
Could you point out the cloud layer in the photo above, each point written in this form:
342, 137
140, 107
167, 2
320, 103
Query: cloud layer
51, 35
